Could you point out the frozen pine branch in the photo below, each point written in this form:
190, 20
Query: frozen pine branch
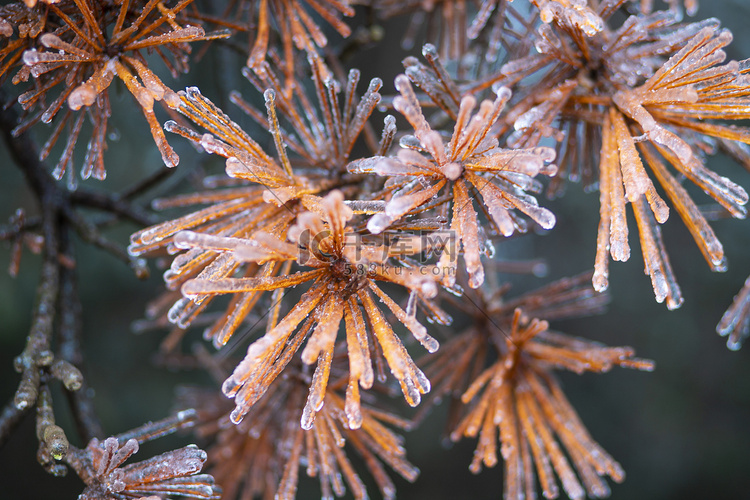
101, 466
341, 265
499, 377
445, 178
73, 68
264, 453
617, 95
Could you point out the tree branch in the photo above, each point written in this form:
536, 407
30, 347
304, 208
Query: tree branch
81, 403
10, 417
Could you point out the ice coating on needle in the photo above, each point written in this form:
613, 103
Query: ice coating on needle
340, 278
427, 168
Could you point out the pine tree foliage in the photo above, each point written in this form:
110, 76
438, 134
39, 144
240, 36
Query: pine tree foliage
347, 257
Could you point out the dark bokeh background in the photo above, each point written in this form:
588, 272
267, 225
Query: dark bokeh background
680, 432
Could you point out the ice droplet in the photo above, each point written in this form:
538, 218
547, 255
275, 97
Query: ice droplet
308, 417
619, 249
378, 223
529, 118
503, 93
31, 57
600, 282
428, 288
545, 218
476, 278
734, 344
424, 382
172, 99
235, 168
353, 415
237, 415
411, 392
6, 29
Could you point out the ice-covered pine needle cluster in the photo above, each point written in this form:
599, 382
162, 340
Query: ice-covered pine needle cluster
647, 97
326, 260
262, 455
74, 50
334, 214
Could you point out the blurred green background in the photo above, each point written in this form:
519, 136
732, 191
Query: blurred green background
680, 432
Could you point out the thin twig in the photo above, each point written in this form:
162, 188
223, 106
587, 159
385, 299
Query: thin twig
91, 234
80, 401
10, 417
117, 205
147, 183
